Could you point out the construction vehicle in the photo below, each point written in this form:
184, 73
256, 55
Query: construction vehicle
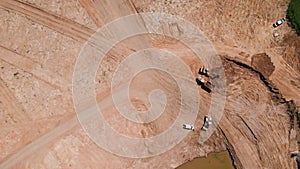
200, 81
207, 123
204, 71
188, 127
207, 73
205, 85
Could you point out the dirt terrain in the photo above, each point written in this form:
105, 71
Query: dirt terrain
39, 44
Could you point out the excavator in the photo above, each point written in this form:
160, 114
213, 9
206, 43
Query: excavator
205, 84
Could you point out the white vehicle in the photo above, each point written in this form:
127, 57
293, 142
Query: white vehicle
204, 71
278, 23
207, 123
188, 127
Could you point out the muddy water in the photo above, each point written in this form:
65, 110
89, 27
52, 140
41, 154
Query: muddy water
220, 160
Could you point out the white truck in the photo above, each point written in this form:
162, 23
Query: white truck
188, 127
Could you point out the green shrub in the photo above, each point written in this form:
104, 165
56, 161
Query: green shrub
293, 14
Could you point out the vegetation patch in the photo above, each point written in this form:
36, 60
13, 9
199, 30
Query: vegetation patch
293, 14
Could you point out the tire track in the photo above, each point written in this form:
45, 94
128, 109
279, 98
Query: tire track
62, 25
283, 77
105, 11
78, 32
34, 146
87, 115
29, 66
12, 104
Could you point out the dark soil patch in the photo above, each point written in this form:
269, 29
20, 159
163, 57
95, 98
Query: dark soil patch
262, 63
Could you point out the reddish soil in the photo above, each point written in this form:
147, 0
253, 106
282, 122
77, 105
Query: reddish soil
39, 44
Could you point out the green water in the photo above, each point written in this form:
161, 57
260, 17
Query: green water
220, 160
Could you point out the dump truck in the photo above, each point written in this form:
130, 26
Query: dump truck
205, 85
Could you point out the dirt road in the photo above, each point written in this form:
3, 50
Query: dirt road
38, 51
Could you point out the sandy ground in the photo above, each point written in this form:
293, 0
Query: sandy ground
39, 44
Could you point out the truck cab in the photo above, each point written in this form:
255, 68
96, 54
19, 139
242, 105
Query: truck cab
188, 127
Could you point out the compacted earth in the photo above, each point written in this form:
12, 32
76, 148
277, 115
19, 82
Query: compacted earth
39, 44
